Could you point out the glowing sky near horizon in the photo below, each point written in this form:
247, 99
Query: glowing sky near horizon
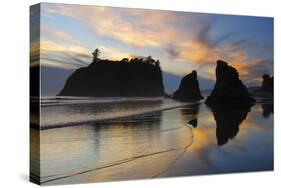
182, 41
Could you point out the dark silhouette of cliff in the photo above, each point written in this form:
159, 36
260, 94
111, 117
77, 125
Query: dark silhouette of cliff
188, 89
125, 78
228, 89
228, 119
267, 83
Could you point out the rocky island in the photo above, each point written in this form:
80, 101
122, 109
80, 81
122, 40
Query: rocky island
267, 83
189, 89
137, 77
228, 89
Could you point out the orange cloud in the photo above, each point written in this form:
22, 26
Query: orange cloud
63, 35
158, 30
49, 46
113, 53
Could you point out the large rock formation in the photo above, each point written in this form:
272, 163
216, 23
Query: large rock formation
267, 83
188, 89
105, 78
228, 89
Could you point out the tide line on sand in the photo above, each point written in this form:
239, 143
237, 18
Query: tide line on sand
55, 177
76, 123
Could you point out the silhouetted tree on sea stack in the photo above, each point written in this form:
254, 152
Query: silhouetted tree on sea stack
95, 54
125, 60
157, 63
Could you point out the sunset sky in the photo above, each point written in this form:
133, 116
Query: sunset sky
181, 41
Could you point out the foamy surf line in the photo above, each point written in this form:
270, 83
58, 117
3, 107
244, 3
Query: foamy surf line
77, 123
62, 102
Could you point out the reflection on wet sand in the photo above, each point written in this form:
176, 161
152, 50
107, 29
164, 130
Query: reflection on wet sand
119, 149
228, 119
267, 110
193, 122
189, 114
176, 142
265, 99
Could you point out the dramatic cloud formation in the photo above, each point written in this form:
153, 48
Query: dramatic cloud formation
181, 41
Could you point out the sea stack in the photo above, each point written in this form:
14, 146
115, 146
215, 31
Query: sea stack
106, 78
267, 83
229, 89
188, 89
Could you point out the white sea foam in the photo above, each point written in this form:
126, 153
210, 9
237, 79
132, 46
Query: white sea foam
76, 111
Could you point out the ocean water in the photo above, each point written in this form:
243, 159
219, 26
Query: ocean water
91, 140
